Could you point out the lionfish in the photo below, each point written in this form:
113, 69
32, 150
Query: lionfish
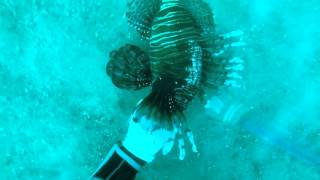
185, 58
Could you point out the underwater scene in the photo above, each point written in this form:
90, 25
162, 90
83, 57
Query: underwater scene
61, 111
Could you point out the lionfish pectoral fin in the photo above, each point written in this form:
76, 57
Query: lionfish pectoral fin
234, 69
140, 14
227, 41
129, 67
224, 65
202, 14
231, 47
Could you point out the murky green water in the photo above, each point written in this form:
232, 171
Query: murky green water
60, 113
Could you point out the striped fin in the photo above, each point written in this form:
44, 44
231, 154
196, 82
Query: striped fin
223, 64
229, 49
203, 15
129, 68
140, 15
234, 70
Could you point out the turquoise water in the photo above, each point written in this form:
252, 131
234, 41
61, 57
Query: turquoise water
60, 113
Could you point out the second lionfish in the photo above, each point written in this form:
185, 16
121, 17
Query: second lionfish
184, 58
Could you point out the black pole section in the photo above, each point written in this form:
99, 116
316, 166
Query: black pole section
119, 164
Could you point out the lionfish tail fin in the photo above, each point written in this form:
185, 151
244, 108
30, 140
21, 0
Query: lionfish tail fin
129, 68
140, 14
